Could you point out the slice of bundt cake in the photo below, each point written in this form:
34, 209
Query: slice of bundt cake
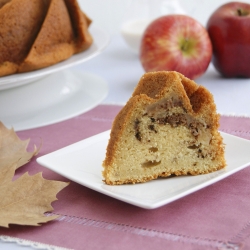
36, 34
168, 127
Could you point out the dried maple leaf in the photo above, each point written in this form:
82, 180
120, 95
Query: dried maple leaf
12, 149
25, 200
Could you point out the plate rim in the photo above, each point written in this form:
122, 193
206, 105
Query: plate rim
20, 125
146, 205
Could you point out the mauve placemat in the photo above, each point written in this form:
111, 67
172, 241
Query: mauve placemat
216, 217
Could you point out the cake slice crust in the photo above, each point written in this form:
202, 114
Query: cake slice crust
168, 127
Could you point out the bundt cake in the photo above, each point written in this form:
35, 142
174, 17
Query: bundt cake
168, 127
36, 34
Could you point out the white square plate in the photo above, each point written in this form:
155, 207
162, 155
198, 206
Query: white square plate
81, 162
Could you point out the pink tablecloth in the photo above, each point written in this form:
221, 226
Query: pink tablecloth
216, 217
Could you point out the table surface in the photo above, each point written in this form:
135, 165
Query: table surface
122, 70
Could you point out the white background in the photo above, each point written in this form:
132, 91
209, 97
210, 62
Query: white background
109, 14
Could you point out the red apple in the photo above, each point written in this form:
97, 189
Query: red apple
176, 42
229, 30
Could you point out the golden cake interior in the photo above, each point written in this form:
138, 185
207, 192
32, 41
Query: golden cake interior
168, 127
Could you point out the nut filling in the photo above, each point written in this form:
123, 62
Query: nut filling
185, 120
137, 130
168, 112
174, 120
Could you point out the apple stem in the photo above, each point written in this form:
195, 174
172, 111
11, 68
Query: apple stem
184, 47
240, 12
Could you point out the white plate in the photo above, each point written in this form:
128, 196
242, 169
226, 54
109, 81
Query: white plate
101, 40
82, 163
52, 99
